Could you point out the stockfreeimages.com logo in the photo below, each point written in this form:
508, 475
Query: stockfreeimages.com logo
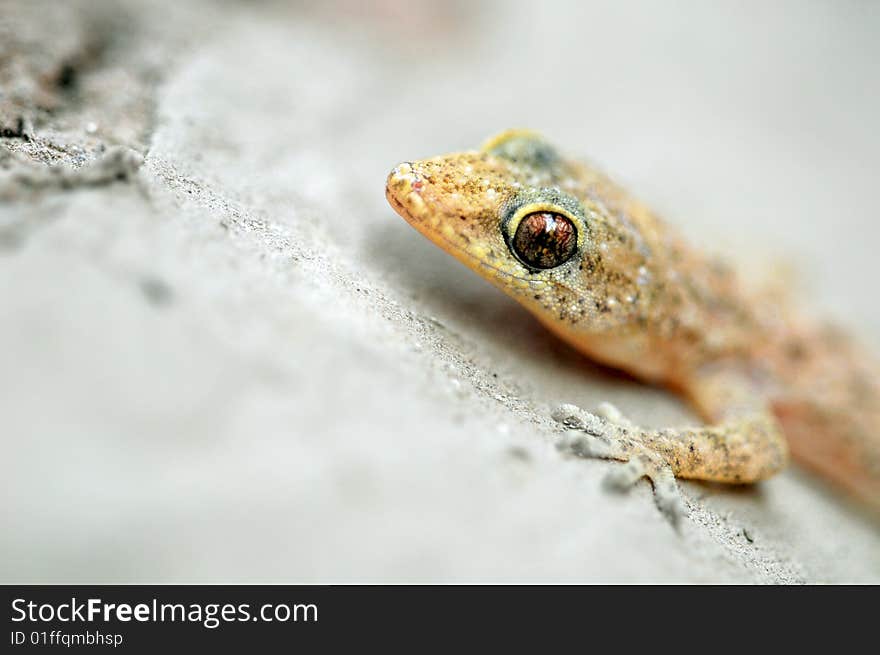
210, 615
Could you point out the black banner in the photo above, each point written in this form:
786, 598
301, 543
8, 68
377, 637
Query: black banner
147, 618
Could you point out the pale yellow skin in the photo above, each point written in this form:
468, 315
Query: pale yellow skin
634, 296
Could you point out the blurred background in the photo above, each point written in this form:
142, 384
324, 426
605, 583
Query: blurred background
223, 357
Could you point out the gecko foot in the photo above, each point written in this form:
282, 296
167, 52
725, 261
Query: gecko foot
607, 434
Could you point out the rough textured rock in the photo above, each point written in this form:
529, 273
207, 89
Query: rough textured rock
224, 358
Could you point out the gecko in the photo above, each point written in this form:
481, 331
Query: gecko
606, 274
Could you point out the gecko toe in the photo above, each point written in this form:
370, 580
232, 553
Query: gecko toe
622, 477
586, 445
568, 415
613, 415
575, 418
668, 496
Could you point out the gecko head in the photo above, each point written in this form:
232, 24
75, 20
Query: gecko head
496, 209
510, 211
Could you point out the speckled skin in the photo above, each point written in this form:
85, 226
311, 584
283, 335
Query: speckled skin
636, 297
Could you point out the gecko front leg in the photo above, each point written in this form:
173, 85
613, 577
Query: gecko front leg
745, 447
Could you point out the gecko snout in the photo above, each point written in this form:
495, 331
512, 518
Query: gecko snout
403, 190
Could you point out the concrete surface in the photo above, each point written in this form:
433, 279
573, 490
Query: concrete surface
225, 358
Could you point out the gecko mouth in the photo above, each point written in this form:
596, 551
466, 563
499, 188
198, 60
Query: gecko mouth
398, 206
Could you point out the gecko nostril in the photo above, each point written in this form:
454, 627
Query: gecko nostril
403, 175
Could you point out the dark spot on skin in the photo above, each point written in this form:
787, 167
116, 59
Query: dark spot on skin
796, 350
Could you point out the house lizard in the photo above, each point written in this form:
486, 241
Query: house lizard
607, 275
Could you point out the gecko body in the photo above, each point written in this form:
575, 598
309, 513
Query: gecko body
604, 273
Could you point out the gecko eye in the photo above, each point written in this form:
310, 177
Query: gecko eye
545, 239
